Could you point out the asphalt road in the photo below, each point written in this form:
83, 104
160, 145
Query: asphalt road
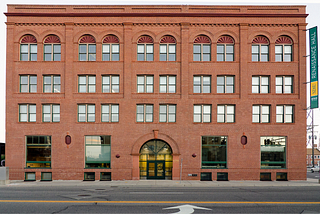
126, 199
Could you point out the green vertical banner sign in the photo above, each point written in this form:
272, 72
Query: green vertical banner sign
313, 40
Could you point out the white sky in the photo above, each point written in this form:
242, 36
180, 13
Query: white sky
312, 9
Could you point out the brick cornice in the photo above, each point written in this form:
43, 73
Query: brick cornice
156, 15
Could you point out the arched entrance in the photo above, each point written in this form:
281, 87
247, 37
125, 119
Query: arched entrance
155, 160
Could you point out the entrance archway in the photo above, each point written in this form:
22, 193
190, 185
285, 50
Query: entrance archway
155, 160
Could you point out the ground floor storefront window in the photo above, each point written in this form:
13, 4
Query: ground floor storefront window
273, 152
38, 151
98, 151
214, 151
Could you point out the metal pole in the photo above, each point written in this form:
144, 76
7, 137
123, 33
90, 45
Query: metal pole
312, 140
181, 169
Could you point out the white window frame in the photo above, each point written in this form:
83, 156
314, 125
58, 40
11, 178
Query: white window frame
225, 53
282, 53
202, 85
167, 84
30, 113
54, 87
201, 53
285, 114
259, 54
225, 113
30, 52
167, 51
147, 117
110, 112
282, 85
143, 84
90, 56
110, 83
261, 86
29, 85
86, 113
200, 113
167, 113
89, 85
225, 85
53, 53
261, 114
146, 50
51, 111
111, 51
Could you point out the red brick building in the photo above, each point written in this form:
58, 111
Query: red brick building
156, 92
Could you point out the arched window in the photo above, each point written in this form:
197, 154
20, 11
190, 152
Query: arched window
145, 48
52, 48
28, 48
260, 49
283, 49
110, 48
225, 49
167, 48
87, 48
202, 49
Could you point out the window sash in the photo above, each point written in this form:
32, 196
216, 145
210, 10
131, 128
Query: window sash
260, 114
144, 84
87, 52
86, 84
201, 84
202, 113
167, 113
86, 113
110, 113
144, 113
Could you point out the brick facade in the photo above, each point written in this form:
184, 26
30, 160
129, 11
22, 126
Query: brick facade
128, 24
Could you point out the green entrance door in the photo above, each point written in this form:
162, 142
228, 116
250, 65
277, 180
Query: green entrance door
155, 170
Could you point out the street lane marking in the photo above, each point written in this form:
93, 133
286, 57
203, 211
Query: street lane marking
160, 202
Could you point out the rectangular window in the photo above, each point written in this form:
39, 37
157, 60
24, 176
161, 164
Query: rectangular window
98, 151
110, 113
87, 52
110, 84
87, 84
145, 52
145, 113
225, 113
202, 113
110, 52
28, 52
51, 84
27, 113
284, 84
38, 151
46, 176
201, 52
225, 52
225, 84
145, 84
167, 52
261, 114
283, 53
30, 176
86, 113
28, 83
167, 84
214, 151
167, 113
285, 114
260, 53
260, 84
51, 113
52, 52
201, 84
273, 152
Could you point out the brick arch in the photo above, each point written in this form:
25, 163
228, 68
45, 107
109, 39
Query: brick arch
167, 33
265, 34
260, 40
28, 38
145, 138
110, 38
225, 39
87, 38
23, 33
52, 39
47, 33
136, 37
80, 34
201, 33
202, 39
284, 40
168, 39
145, 39
221, 33
292, 36
106, 33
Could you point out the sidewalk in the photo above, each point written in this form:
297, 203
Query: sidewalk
167, 183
